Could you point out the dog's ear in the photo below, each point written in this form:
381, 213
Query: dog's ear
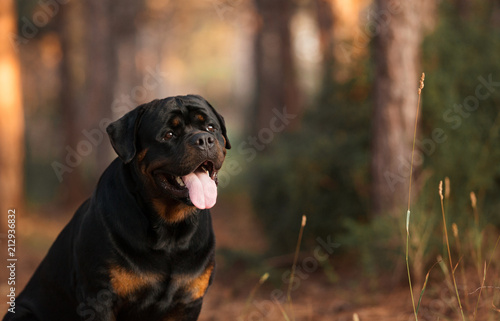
221, 122
223, 127
122, 133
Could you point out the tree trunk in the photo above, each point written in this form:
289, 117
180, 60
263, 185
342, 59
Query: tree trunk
73, 189
102, 71
112, 24
276, 84
130, 66
89, 73
395, 103
324, 14
11, 116
495, 14
464, 8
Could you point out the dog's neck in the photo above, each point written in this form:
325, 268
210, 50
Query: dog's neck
170, 223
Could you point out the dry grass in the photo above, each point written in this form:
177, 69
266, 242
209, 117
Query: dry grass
452, 268
289, 301
408, 212
475, 235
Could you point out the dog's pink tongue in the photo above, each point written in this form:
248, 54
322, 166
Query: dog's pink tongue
202, 189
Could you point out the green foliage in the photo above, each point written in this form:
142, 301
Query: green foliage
458, 58
320, 171
374, 245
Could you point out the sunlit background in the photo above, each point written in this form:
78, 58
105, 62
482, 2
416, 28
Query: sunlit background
320, 99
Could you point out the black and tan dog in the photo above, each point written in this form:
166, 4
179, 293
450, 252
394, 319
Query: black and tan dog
142, 246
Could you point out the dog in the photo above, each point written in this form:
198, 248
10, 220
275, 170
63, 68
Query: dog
142, 246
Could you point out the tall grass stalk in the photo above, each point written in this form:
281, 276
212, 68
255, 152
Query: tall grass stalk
408, 213
283, 312
295, 259
477, 236
251, 296
458, 244
480, 291
449, 252
484, 279
425, 285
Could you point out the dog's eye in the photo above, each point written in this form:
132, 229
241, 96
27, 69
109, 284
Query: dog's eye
211, 128
168, 136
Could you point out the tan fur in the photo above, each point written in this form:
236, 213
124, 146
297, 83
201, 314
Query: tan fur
125, 282
172, 212
142, 154
196, 286
176, 122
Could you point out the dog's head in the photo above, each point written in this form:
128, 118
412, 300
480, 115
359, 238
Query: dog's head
177, 146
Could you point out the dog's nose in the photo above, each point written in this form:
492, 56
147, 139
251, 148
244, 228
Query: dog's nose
203, 141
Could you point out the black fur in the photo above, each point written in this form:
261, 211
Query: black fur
136, 250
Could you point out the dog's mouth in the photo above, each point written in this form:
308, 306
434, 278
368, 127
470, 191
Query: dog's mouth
198, 188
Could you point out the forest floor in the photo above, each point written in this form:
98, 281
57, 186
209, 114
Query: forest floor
239, 241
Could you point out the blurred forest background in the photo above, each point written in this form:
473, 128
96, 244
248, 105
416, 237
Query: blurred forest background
320, 98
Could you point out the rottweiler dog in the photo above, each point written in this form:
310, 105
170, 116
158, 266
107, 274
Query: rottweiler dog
141, 248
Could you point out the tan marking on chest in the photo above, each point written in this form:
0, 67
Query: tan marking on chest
173, 213
197, 286
125, 282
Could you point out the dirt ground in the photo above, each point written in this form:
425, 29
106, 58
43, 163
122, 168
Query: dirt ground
314, 297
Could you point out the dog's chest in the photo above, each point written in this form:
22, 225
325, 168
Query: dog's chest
194, 286
149, 289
